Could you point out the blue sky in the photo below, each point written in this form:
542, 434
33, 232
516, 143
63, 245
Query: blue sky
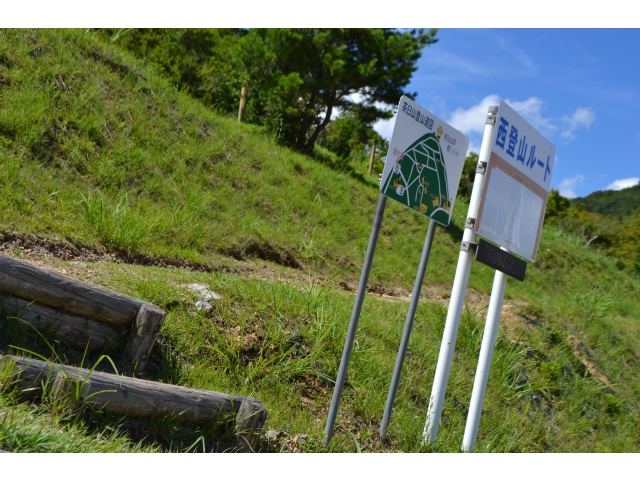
579, 87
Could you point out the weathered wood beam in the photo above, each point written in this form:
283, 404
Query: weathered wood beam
144, 398
27, 281
143, 335
73, 329
250, 418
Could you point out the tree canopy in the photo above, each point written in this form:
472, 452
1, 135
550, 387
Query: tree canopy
198, 60
296, 78
299, 77
350, 134
612, 202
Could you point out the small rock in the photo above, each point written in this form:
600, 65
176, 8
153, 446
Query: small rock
203, 305
273, 435
80, 264
203, 292
301, 439
203, 295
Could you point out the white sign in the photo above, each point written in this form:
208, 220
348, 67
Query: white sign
424, 163
516, 185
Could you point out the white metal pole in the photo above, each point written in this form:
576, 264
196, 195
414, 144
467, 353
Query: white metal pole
484, 361
458, 291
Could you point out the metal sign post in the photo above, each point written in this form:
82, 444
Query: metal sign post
511, 214
484, 362
459, 289
422, 172
408, 325
355, 317
429, 157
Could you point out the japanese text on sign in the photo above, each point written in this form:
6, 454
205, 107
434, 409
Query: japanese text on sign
532, 161
522, 146
417, 115
516, 185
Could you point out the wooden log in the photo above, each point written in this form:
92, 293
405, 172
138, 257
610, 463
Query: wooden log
27, 281
249, 421
144, 398
143, 335
73, 329
243, 102
63, 385
373, 154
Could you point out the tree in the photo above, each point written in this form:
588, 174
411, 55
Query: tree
468, 175
298, 77
350, 134
557, 205
197, 59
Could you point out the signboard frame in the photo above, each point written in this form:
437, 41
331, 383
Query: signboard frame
529, 189
424, 147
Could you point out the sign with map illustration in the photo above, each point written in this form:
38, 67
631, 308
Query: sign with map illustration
424, 163
516, 185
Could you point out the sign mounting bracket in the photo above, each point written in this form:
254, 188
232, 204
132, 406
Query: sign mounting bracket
468, 247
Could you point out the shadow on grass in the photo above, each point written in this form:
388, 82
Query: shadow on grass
166, 433
343, 167
454, 232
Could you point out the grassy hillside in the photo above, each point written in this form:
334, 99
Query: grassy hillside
102, 152
103, 159
612, 202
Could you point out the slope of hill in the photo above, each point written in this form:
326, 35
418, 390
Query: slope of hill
104, 158
612, 202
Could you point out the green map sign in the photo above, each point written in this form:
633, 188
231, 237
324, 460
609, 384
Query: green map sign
424, 163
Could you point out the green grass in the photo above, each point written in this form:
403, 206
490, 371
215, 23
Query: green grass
108, 154
100, 150
281, 343
47, 427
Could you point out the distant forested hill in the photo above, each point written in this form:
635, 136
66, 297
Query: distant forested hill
612, 202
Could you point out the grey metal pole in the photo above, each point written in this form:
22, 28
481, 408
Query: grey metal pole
355, 316
460, 281
408, 325
484, 361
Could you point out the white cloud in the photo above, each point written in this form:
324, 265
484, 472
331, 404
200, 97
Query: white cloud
623, 183
531, 110
582, 117
385, 126
473, 119
568, 185
473, 147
